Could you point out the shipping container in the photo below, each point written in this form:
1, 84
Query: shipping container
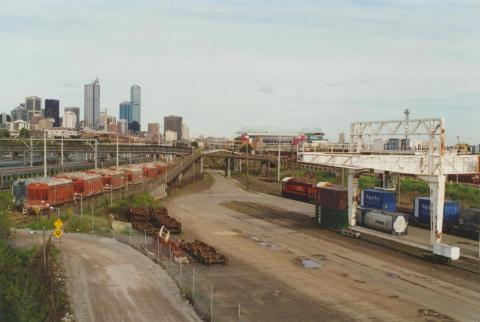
421, 212
331, 218
298, 188
332, 196
49, 192
379, 199
391, 222
84, 183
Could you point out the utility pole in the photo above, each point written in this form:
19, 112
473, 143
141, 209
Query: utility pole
248, 183
407, 118
96, 156
61, 152
278, 161
44, 153
117, 147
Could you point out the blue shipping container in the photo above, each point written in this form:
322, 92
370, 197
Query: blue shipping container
421, 211
379, 199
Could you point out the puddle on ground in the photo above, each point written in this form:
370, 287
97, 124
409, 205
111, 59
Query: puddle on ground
311, 264
263, 243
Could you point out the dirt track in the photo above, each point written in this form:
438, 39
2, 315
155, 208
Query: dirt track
356, 280
110, 282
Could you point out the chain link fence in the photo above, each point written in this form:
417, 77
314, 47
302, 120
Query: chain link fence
196, 286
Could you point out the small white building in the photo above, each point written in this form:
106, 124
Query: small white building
170, 136
69, 120
122, 125
17, 125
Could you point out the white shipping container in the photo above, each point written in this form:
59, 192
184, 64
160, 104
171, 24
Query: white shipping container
448, 251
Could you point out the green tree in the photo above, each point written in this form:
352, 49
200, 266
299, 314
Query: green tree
24, 133
4, 133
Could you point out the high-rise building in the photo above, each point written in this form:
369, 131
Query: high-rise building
173, 123
75, 110
69, 119
153, 129
185, 134
52, 110
33, 105
19, 113
125, 112
136, 101
4, 118
92, 104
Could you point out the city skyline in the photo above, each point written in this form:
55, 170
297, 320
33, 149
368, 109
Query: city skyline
342, 63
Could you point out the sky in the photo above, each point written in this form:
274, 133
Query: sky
227, 65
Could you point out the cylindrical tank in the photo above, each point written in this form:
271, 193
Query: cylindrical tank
393, 223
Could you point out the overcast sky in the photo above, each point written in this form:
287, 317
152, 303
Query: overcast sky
225, 65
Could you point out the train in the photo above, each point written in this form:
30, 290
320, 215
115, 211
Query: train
9, 174
37, 194
457, 221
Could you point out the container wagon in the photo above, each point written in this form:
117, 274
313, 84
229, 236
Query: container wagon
421, 212
379, 199
150, 171
299, 189
85, 184
49, 192
134, 175
331, 206
469, 223
111, 178
390, 222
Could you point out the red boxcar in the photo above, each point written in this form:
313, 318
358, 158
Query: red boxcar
111, 178
332, 196
296, 188
49, 192
85, 184
161, 167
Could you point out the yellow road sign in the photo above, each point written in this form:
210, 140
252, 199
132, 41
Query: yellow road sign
57, 233
58, 224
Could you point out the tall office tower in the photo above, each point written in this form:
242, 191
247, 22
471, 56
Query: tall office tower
75, 110
52, 110
33, 105
92, 104
136, 101
125, 112
173, 123
19, 113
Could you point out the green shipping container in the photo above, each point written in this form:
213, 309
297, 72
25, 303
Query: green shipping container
331, 218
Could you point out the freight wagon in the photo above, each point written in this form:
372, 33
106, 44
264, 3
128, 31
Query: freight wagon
299, 189
49, 192
84, 184
111, 178
133, 175
391, 222
421, 212
469, 223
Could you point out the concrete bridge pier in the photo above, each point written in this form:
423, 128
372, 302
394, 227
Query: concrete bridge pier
227, 167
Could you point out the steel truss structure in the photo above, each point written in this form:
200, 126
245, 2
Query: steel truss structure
432, 166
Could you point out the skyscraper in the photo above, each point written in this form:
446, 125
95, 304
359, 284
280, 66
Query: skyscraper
173, 123
75, 110
92, 104
136, 101
125, 112
69, 119
52, 110
33, 105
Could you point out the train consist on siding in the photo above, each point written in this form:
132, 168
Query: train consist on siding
378, 210
40, 193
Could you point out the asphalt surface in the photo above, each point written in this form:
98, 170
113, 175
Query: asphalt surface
355, 281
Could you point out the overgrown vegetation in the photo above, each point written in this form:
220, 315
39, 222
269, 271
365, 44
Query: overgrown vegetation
26, 292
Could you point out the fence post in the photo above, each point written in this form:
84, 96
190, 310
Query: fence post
193, 284
180, 279
238, 311
145, 239
92, 218
130, 240
211, 303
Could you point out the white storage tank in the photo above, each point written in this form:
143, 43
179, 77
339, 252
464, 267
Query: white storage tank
390, 222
